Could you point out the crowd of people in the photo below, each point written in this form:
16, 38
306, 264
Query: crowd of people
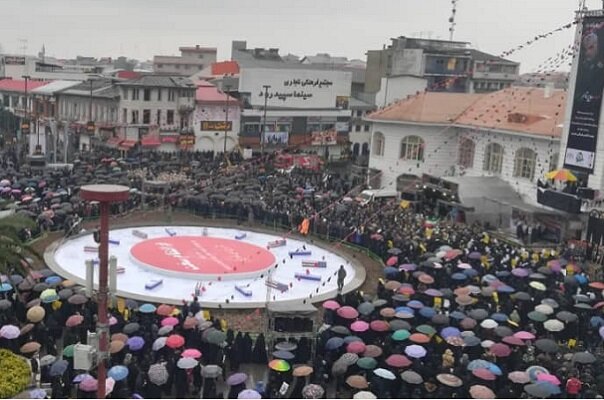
455, 314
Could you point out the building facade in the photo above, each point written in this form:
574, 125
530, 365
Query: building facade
191, 60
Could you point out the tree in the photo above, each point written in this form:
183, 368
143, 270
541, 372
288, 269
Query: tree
14, 251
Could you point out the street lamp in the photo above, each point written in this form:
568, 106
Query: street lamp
105, 195
266, 88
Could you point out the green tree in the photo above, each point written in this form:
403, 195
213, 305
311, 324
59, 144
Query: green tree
14, 252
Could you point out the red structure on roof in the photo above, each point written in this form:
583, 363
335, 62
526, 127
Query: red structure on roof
225, 68
12, 85
128, 75
208, 93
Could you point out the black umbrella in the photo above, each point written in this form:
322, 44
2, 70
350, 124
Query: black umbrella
131, 328
478, 314
566, 316
584, 357
547, 345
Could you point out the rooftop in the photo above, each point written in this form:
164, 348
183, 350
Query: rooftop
15, 85
198, 49
159, 81
208, 93
53, 87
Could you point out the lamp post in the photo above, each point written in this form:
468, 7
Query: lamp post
226, 119
105, 195
266, 88
25, 126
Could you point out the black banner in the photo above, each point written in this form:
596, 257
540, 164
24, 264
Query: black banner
587, 99
216, 125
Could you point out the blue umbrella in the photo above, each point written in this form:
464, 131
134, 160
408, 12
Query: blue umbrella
449, 331
489, 278
494, 368
350, 339
118, 372
458, 315
415, 304
427, 312
471, 341
470, 273
58, 368
147, 308
499, 317
581, 279
334, 343
596, 322
505, 289
502, 274
5, 287
458, 276
16, 279
51, 280
404, 309
284, 355
478, 364
390, 271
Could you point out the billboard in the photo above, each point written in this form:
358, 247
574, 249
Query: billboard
216, 125
276, 138
324, 138
587, 99
296, 88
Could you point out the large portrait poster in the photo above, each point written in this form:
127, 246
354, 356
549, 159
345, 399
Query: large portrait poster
587, 98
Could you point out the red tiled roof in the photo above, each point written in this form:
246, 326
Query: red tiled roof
517, 109
225, 68
13, 85
208, 93
128, 75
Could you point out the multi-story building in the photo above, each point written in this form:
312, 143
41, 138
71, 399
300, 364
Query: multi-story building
157, 110
190, 61
442, 65
216, 119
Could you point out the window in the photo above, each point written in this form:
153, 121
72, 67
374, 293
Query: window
135, 94
170, 117
171, 95
553, 161
251, 128
125, 93
160, 65
412, 148
158, 94
357, 128
313, 127
125, 116
177, 66
283, 127
366, 129
365, 149
6, 100
493, 158
158, 118
524, 163
378, 144
146, 116
466, 153
134, 119
359, 113
147, 94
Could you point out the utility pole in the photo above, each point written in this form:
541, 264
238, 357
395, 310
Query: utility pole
266, 88
226, 120
25, 125
452, 19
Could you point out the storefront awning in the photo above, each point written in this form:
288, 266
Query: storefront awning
150, 142
113, 141
169, 139
127, 144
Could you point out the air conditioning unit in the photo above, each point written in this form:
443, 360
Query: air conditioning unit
84, 357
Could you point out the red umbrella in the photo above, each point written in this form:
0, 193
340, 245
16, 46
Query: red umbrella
74, 320
359, 326
406, 290
348, 312
419, 338
500, 350
169, 321
190, 323
597, 285
356, 347
164, 310
331, 305
392, 261
553, 379
398, 361
379, 326
481, 392
426, 279
483, 374
175, 341
513, 340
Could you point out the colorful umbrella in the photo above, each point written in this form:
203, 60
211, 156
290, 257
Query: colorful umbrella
367, 363
147, 308
74, 321
279, 365
519, 377
359, 326
449, 380
347, 312
562, 175
169, 321
372, 351
175, 341
313, 391
191, 353
356, 347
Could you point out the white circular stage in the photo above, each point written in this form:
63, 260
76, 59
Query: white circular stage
226, 268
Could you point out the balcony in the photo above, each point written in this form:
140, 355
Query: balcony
567, 202
495, 76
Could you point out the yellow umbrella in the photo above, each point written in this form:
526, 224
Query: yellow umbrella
563, 175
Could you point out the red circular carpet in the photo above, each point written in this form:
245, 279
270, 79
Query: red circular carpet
202, 257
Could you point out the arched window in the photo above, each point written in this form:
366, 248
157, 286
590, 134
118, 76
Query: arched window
493, 158
466, 153
524, 163
378, 144
355, 149
553, 161
365, 149
412, 148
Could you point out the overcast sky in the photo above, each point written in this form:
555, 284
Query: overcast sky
143, 28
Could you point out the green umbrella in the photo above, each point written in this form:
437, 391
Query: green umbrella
426, 330
367, 363
68, 351
400, 335
537, 316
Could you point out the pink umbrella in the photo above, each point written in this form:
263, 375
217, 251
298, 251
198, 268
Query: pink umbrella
175, 341
379, 326
74, 320
10, 332
356, 347
89, 385
543, 377
169, 321
519, 377
398, 361
331, 305
500, 350
513, 340
392, 261
191, 353
484, 374
347, 312
524, 335
112, 320
359, 326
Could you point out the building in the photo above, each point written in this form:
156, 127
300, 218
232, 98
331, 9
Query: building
444, 65
483, 144
216, 119
90, 111
190, 61
44, 68
157, 110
